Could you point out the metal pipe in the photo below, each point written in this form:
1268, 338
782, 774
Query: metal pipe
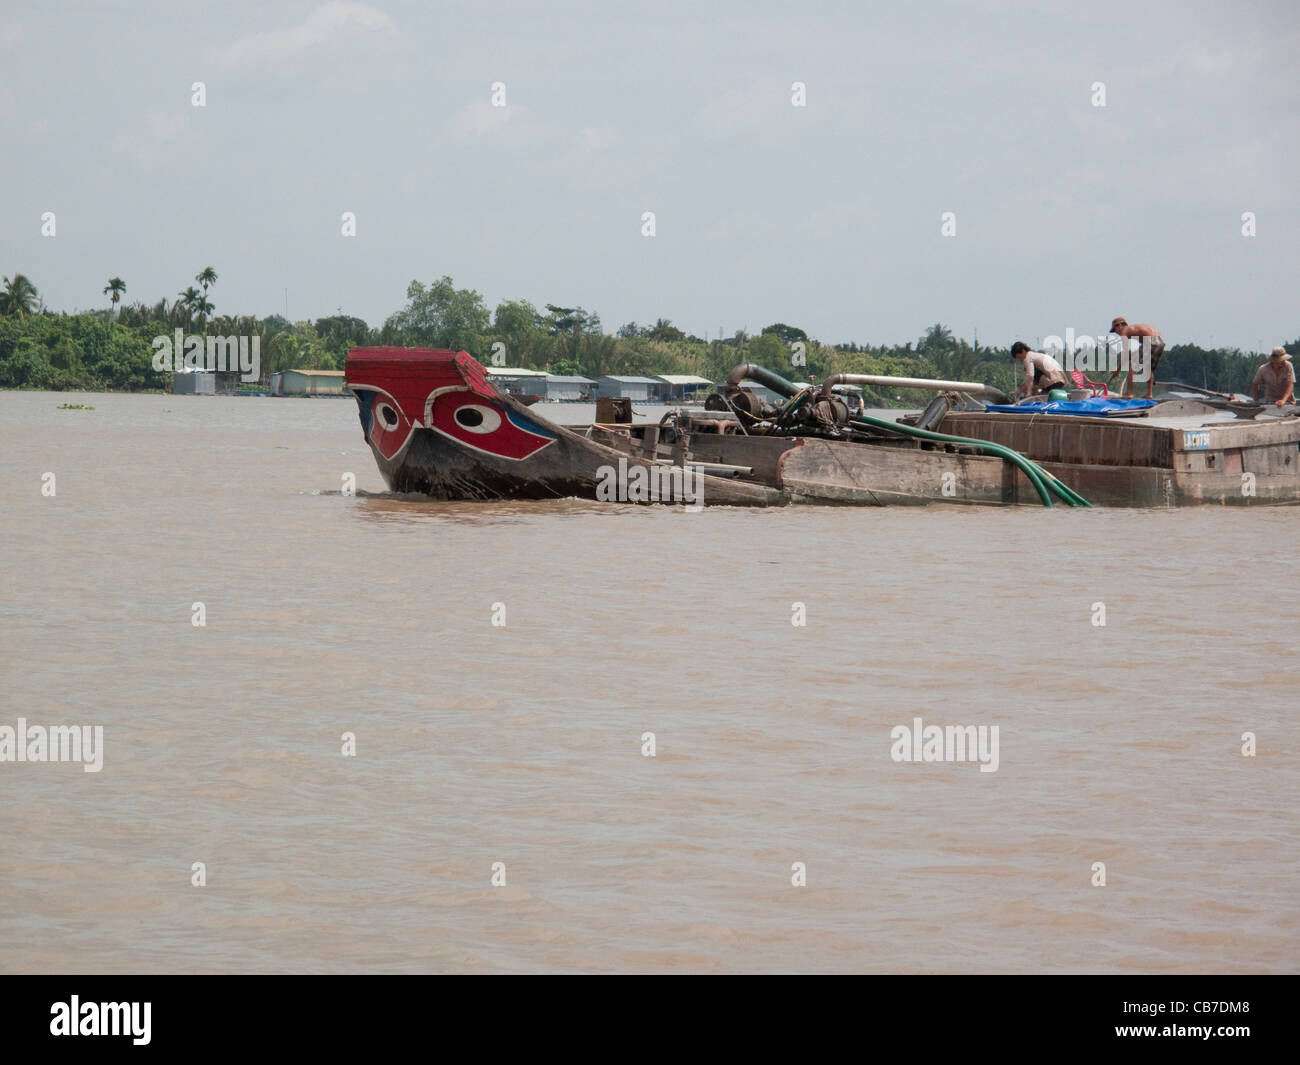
711, 467
910, 382
767, 378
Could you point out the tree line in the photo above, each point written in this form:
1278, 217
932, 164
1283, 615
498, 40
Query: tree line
112, 348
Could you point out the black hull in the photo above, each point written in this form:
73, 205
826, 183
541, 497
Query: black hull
570, 468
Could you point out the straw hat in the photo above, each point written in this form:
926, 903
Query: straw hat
1280, 353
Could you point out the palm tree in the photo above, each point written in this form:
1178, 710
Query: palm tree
133, 314
282, 351
114, 289
163, 312
937, 336
206, 277
19, 297
203, 308
187, 302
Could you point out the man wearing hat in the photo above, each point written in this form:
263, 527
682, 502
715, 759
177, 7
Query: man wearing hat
1153, 346
1277, 378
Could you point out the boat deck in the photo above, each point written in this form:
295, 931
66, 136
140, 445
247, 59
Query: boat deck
1213, 455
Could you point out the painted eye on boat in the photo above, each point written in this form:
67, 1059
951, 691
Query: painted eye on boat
478, 419
387, 416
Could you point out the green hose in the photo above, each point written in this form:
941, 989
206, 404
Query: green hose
1043, 482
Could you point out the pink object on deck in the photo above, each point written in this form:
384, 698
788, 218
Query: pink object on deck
1098, 388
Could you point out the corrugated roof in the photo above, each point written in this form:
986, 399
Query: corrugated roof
570, 380
632, 380
318, 373
501, 371
684, 379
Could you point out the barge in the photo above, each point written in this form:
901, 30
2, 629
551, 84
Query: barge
438, 427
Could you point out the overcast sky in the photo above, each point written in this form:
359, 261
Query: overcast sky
826, 216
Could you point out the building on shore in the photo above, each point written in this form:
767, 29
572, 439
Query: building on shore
307, 383
194, 383
637, 389
561, 389
517, 381
683, 387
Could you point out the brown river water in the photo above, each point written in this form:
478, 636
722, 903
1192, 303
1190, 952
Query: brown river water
522, 743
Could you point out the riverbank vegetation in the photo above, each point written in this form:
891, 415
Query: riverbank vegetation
112, 348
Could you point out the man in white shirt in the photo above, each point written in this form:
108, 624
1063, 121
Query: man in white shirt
1042, 372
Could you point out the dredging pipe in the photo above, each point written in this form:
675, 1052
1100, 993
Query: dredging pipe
766, 378
970, 387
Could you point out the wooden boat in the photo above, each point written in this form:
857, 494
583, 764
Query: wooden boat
438, 427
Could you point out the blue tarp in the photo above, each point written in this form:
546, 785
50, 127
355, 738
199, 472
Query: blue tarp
1097, 406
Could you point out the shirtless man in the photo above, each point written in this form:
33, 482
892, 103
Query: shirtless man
1042, 372
1157, 348
1277, 378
